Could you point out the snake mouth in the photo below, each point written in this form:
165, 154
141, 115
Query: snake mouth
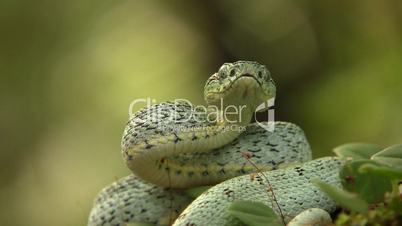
252, 82
235, 80
248, 76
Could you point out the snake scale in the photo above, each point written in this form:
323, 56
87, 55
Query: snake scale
169, 151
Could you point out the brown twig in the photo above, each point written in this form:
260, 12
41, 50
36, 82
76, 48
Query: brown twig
247, 156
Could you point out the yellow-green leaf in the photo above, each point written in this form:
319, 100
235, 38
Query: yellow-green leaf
370, 187
356, 150
391, 156
344, 198
254, 213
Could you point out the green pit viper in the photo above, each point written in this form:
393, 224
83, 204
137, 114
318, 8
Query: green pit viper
168, 154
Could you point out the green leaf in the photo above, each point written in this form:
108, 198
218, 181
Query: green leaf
356, 150
197, 191
254, 213
385, 171
391, 156
344, 198
370, 187
393, 174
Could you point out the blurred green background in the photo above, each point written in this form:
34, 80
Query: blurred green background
69, 70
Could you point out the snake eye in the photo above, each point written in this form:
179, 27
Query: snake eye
232, 72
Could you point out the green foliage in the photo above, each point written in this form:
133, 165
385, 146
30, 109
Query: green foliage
387, 213
391, 156
387, 172
347, 199
254, 213
370, 187
356, 150
370, 177
369, 171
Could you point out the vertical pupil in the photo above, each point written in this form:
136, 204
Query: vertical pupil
260, 74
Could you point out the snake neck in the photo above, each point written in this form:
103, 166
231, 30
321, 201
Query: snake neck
142, 155
236, 107
143, 143
231, 115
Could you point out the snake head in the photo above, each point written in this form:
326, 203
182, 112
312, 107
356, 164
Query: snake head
241, 82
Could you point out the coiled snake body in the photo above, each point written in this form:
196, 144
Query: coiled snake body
171, 146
